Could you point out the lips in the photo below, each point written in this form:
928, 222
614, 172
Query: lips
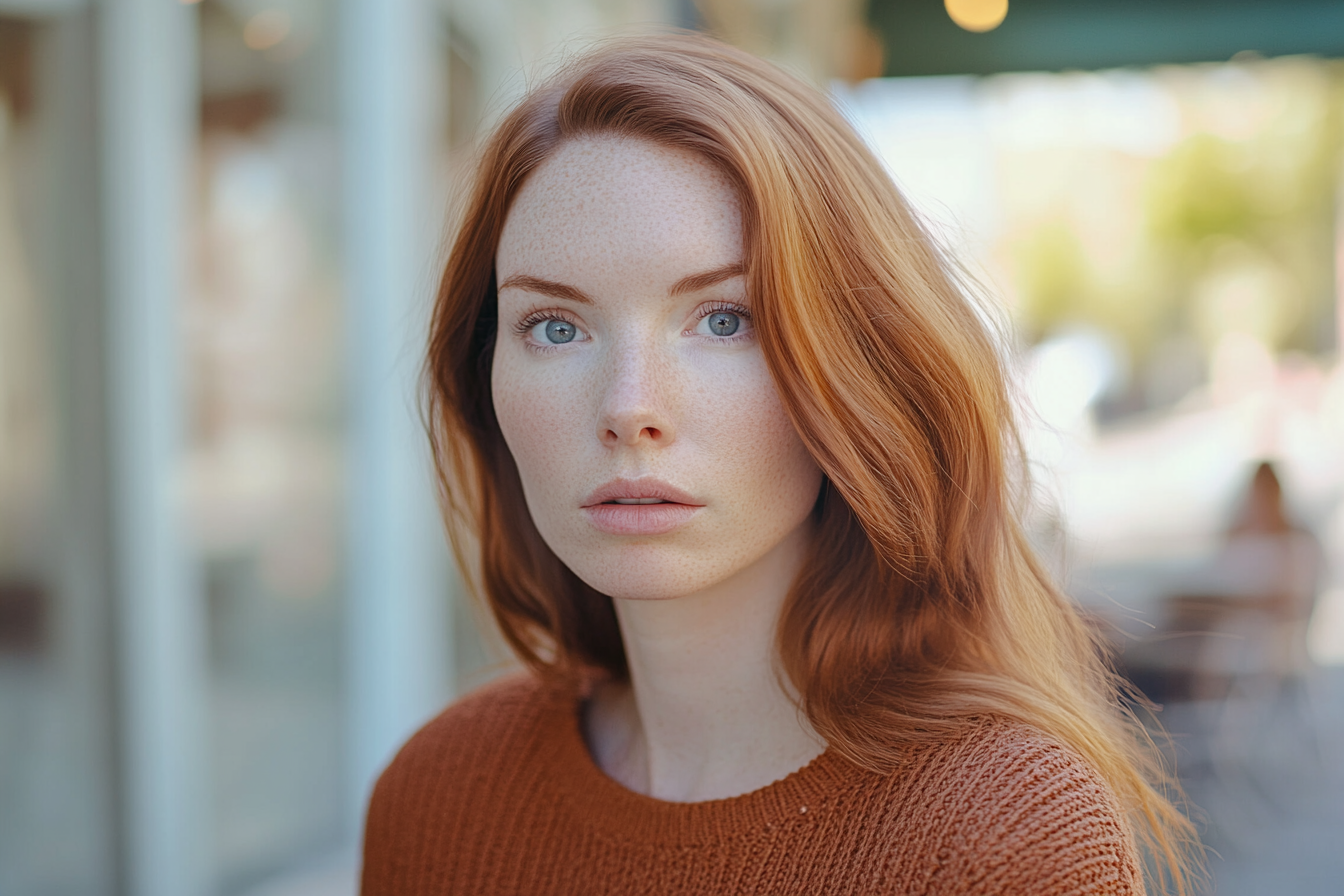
639, 507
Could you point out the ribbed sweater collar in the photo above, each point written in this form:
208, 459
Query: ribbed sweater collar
618, 813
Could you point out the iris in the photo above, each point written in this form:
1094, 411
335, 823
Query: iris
723, 323
560, 331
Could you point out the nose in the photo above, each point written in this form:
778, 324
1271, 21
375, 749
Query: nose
636, 408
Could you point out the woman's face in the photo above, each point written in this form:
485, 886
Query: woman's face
655, 455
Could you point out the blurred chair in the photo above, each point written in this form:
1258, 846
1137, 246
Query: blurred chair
1237, 643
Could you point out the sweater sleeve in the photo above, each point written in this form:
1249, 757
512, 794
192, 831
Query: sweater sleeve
1028, 816
421, 812
394, 825
378, 872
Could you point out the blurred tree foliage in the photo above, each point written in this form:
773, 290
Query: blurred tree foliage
1235, 230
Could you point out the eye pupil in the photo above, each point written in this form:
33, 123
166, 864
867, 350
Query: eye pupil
559, 331
723, 323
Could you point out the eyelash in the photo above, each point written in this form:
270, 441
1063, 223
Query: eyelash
532, 318
716, 307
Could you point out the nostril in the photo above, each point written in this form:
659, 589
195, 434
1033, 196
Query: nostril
614, 432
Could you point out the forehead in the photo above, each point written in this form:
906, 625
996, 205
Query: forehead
607, 201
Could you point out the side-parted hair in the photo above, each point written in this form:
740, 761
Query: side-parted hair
922, 604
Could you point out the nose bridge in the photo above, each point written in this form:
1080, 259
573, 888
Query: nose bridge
635, 402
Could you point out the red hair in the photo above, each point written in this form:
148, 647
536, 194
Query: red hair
921, 605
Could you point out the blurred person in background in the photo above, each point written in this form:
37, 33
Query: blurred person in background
1249, 622
728, 450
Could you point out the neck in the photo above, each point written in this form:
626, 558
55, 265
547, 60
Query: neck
707, 714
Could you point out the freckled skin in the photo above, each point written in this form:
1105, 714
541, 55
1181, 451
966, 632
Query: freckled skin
645, 389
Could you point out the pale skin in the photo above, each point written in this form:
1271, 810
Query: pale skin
625, 358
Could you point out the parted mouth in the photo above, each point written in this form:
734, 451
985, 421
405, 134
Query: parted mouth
639, 491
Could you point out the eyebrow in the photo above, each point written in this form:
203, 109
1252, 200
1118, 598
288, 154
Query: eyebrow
693, 283
546, 288
697, 282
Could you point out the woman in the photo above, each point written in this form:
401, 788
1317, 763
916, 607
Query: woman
726, 449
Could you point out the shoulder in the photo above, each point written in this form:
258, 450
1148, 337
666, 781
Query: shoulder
996, 760
474, 731
504, 708
1018, 811
451, 771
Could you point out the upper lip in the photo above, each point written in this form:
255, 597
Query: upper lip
639, 488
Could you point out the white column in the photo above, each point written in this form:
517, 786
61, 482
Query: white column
397, 597
70, 262
149, 122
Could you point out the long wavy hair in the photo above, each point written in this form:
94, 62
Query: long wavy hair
921, 604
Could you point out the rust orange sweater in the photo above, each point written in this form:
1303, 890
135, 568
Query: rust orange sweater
499, 795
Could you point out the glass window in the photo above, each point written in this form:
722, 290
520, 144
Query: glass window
55, 755
264, 449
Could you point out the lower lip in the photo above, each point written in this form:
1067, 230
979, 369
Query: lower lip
639, 519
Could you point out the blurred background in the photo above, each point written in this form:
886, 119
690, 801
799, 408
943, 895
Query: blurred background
224, 597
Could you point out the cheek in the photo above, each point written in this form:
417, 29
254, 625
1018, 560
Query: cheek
537, 410
752, 439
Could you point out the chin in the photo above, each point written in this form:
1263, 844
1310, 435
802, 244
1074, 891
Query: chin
647, 572
639, 590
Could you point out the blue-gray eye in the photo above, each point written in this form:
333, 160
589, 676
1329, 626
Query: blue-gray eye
560, 331
724, 323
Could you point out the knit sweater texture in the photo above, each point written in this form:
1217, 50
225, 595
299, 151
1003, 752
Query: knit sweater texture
500, 795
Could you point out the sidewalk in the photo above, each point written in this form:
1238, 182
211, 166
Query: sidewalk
1270, 800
